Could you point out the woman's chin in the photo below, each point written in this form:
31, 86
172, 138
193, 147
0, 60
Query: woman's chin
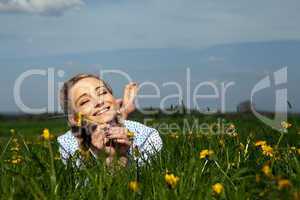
105, 118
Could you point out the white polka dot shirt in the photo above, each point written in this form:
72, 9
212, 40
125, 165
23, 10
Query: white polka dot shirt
146, 142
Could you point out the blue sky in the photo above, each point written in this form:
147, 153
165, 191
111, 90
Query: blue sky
211, 37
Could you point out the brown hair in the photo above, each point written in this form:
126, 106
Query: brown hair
64, 91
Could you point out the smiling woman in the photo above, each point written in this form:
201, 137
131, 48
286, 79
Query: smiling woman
104, 128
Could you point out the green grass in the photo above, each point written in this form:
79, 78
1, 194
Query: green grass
236, 164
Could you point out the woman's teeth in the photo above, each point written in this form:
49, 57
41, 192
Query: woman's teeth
103, 111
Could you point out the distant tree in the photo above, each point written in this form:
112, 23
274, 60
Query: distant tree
244, 107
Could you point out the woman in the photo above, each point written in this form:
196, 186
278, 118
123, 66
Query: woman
104, 128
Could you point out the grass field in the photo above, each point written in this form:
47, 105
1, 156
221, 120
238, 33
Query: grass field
192, 164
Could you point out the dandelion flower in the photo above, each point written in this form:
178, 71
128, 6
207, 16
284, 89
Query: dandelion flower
260, 143
218, 188
16, 161
285, 125
267, 170
78, 119
222, 143
257, 178
284, 183
267, 150
57, 157
133, 186
206, 153
174, 136
296, 195
130, 134
231, 126
231, 130
171, 180
14, 149
293, 148
46, 134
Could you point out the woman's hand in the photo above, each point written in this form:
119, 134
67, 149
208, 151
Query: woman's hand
120, 136
98, 138
127, 105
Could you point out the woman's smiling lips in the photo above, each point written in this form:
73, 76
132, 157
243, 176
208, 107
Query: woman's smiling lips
103, 110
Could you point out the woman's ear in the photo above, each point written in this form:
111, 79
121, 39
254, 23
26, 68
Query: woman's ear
72, 119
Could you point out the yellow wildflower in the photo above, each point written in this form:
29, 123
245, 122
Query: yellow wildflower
46, 134
206, 153
218, 188
231, 126
284, 183
174, 136
171, 180
222, 143
15, 140
260, 143
133, 186
231, 130
12, 131
296, 195
78, 119
267, 150
57, 157
15, 148
257, 178
285, 125
16, 161
130, 134
267, 170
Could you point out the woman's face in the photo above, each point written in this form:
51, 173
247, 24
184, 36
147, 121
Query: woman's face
91, 98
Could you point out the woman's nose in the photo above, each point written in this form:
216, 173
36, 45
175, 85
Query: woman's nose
98, 103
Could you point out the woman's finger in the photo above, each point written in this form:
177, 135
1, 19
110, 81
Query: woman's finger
123, 141
110, 150
97, 140
117, 136
115, 130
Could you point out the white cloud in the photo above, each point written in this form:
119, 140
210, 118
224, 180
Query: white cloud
43, 7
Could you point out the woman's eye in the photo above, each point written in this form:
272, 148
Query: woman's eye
84, 102
103, 92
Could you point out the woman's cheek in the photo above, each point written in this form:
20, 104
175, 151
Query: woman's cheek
86, 110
